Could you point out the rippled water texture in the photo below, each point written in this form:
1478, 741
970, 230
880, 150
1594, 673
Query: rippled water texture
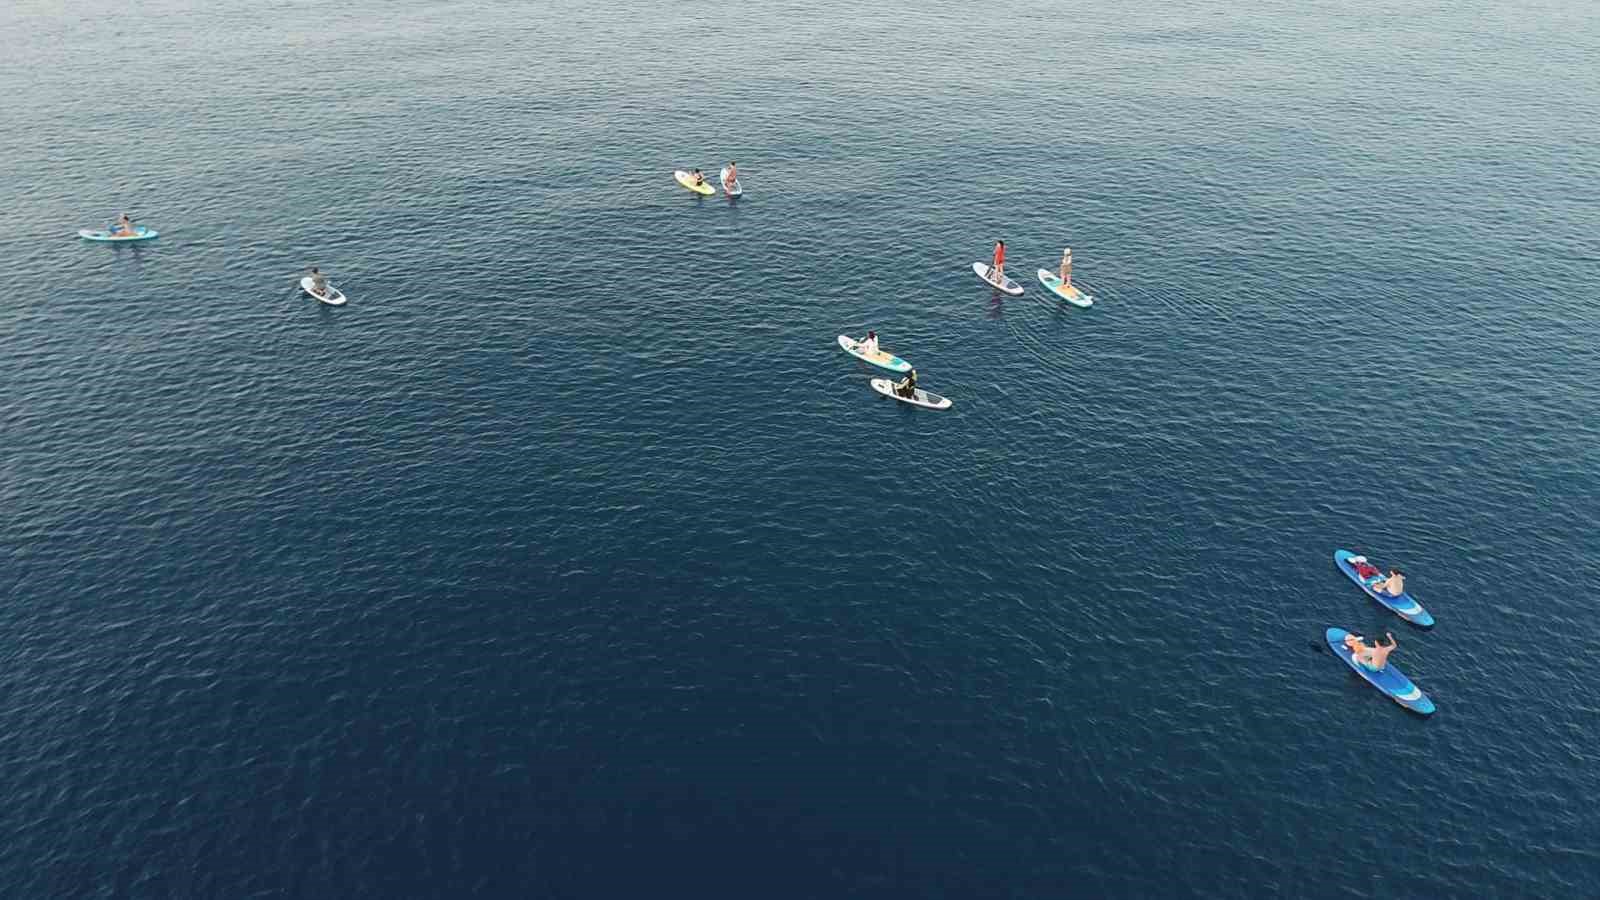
572, 558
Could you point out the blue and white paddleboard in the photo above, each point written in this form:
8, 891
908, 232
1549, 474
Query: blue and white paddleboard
1387, 679
1405, 606
140, 233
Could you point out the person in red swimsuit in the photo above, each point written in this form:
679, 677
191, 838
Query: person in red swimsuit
997, 269
1364, 569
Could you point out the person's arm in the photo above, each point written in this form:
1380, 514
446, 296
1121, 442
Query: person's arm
1392, 642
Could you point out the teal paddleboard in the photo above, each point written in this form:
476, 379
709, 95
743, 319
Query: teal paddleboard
140, 233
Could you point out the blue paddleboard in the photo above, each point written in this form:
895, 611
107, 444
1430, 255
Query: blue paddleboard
1387, 679
1405, 606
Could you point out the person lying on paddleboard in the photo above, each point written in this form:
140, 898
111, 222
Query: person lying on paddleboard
1066, 268
908, 385
319, 281
123, 226
1372, 658
997, 268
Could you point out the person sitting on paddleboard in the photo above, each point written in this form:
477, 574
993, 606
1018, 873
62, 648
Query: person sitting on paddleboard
908, 385
733, 172
1374, 657
124, 226
1066, 268
698, 178
319, 281
1394, 585
997, 268
869, 344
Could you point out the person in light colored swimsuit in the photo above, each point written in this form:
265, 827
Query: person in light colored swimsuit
869, 344
319, 282
1066, 268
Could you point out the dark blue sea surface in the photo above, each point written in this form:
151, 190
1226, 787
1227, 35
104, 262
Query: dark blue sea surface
572, 558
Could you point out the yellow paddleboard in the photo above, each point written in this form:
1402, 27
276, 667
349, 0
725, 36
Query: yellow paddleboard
687, 180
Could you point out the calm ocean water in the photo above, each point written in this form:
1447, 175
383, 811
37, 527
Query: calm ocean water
573, 559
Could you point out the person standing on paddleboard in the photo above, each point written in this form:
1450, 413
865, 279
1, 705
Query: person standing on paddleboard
997, 268
1066, 268
1372, 658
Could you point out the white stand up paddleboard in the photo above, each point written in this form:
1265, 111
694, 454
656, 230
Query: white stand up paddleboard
877, 357
334, 296
1070, 294
732, 189
919, 397
1009, 286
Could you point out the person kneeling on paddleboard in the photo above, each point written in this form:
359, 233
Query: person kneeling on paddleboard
997, 268
123, 227
319, 282
1372, 658
908, 385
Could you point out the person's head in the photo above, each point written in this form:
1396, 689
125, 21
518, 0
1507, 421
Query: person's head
1394, 571
315, 271
1067, 251
1000, 243
731, 164
872, 334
